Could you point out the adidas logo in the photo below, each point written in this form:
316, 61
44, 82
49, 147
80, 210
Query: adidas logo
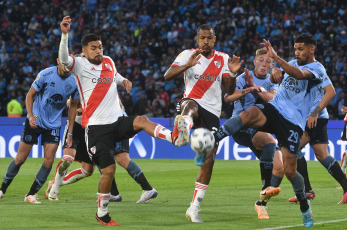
93, 68
198, 62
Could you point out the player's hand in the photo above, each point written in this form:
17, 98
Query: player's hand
69, 141
344, 109
311, 122
276, 75
194, 58
254, 89
270, 51
32, 122
248, 78
127, 85
235, 64
65, 25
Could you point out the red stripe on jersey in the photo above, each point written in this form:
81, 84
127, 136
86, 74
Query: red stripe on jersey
201, 86
81, 91
175, 65
100, 90
73, 64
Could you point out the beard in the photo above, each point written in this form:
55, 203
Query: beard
97, 60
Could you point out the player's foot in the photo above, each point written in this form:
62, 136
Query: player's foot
309, 195
192, 214
269, 192
344, 199
33, 199
106, 220
261, 210
200, 158
307, 216
117, 198
50, 183
180, 133
147, 195
1, 194
53, 193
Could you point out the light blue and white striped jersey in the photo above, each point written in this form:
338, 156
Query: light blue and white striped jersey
251, 98
293, 99
53, 92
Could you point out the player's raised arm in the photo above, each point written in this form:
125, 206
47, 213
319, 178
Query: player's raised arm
299, 74
64, 57
175, 71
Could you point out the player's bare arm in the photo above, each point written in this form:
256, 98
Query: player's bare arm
328, 96
72, 116
238, 94
29, 101
174, 72
299, 74
276, 75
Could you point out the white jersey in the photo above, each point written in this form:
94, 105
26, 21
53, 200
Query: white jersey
203, 82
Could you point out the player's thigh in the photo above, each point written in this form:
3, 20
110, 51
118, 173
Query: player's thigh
69, 151
88, 167
253, 117
260, 139
305, 139
321, 151
189, 107
49, 152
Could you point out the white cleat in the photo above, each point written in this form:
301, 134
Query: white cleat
1, 194
117, 198
147, 195
33, 199
53, 193
192, 214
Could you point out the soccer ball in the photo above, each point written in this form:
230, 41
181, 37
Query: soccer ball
202, 141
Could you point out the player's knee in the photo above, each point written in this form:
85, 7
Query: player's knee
109, 170
290, 173
140, 122
19, 161
48, 162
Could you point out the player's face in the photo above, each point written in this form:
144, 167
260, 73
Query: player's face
94, 52
303, 53
206, 40
263, 63
61, 70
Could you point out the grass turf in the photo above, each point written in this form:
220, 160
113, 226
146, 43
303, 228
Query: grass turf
228, 203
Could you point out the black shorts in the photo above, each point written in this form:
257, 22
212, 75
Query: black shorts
205, 120
245, 137
344, 133
78, 142
318, 134
287, 134
122, 146
48, 136
101, 139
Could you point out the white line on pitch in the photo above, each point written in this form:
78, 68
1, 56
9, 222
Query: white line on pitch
300, 225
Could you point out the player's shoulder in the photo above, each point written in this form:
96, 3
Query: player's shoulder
48, 72
317, 67
220, 53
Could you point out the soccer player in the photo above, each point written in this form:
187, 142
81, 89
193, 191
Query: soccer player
316, 134
45, 103
97, 79
255, 87
344, 138
79, 152
286, 114
205, 71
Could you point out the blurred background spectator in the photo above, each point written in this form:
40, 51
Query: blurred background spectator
144, 38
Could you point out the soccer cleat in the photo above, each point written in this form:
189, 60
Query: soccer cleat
33, 199
344, 199
180, 133
117, 198
50, 183
309, 195
192, 214
307, 216
1, 194
147, 195
269, 192
53, 193
261, 210
106, 220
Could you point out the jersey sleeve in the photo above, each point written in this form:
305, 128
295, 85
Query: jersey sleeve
182, 58
240, 82
317, 70
75, 95
39, 82
326, 81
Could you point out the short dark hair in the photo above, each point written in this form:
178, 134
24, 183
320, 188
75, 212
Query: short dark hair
90, 38
307, 39
205, 27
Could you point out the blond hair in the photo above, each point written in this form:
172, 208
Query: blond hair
260, 51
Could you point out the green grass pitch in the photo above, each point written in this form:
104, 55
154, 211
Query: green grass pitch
228, 203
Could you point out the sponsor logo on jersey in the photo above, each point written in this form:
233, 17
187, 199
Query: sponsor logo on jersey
46, 74
291, 84
55, 100
52, 84
217, 64
103, 80
38, 77
206, 78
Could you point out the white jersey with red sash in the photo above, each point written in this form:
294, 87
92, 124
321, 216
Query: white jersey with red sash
203, 82
97, 85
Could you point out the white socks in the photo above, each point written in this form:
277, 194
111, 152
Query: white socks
103, 200
199, 193
162, 133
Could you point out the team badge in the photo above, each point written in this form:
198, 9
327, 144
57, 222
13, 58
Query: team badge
68, 87
93, 150
108, 66
28, 138
217, 64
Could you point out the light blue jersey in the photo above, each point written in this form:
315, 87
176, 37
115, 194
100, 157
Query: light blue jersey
251, 98
50, 101
318, 94
293, 99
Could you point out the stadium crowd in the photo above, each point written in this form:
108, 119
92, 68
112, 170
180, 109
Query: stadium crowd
144, 37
